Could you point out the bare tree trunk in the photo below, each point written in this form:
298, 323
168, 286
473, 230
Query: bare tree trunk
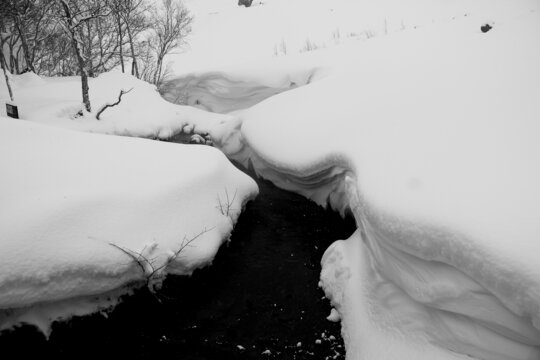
3, 61
134, 67
24, 44
3, 64
88, 55
13, 62
84, 76
157, 75
80, 60
120, 42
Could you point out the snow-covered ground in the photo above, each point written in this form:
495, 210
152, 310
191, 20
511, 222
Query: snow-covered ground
430, 137
409, 116
86, 217
141, 113
433, 144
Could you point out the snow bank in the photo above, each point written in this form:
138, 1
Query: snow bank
141, 113
431, 141
84, 217
422, 126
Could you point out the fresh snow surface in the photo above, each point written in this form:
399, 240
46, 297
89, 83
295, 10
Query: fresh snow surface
268, 48
226, 35
141, 113
429, 136
85, 218
407, 116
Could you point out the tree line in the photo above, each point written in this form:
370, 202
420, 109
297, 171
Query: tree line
89, 37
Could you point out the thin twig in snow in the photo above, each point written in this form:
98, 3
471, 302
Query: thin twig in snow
106, 106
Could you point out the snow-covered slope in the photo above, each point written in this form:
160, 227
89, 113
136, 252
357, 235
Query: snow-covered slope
141, 113
420, 124
432, 141
84, 217
227, 36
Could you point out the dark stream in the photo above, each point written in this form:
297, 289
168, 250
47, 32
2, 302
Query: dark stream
259, 300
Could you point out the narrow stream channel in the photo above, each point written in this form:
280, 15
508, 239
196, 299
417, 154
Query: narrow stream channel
259, 300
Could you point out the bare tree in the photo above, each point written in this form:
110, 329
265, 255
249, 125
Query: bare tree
4, 11
88, 37
77, 13
170, 25
116, 9
132, 14
40, 27
22, 11
100, 44
130, 18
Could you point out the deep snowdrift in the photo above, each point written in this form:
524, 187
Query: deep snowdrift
431, 141
426, 129
141, 113
84, 217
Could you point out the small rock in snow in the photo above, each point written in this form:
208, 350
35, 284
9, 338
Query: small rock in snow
266, 352
299, 344
240, 347
486, 27
318, 341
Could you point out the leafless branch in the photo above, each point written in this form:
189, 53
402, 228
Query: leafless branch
148, 266
106, 106
225, 206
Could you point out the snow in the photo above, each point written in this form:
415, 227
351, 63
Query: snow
429, 136
75, 204
334, 316
141, 113
239, 36
408, 116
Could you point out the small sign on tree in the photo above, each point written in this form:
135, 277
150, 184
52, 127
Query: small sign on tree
12, 111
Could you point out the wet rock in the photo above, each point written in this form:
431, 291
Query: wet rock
246, 3
486, 27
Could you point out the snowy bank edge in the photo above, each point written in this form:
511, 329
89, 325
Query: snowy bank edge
42, 311
332, 182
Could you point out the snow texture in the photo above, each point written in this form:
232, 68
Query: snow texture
141, 113
84, 217
430, 139
403, 113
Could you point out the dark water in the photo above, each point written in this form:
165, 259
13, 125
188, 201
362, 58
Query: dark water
261, 294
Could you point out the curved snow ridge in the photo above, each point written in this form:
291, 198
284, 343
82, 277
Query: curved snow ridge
222, 92
444, 189
380, 317
322, 180
443, 300
83, 215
